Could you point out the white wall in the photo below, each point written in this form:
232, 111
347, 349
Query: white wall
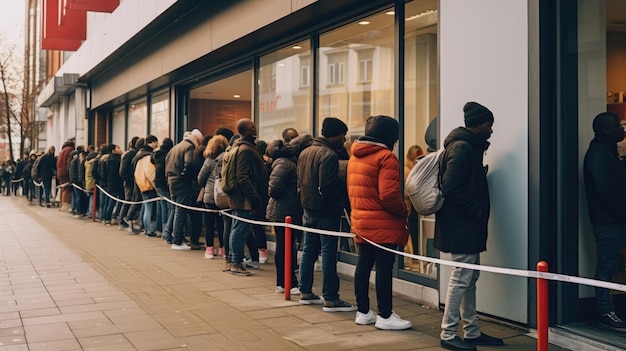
484, 58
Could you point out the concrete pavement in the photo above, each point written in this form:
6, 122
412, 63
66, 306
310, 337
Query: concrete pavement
72, 284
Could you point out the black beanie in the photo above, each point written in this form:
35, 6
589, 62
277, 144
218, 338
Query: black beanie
476, 114
382, 128
332, 126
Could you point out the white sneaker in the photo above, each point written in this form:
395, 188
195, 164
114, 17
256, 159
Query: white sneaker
365, 318
394, 322
182, 247
293, 291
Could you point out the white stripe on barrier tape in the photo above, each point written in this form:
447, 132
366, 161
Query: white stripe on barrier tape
64, 185
128, 202
17, 180
40, 184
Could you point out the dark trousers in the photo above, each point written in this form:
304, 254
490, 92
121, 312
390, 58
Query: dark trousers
609, 240
279, 257
368, 256
213, 222
128, 196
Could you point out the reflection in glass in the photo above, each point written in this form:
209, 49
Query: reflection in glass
160, 117
356, 72
284, 91
421, 107
138, 119
119, 127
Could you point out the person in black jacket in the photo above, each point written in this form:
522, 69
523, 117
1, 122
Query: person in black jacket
461, 224
160, 184
284, 201
28, 186
605, 186
129, 180
73, 173
114, 184
46, 171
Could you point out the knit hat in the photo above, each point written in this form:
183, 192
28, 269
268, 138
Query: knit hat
382, 128
197, 134
476, 114
332, 126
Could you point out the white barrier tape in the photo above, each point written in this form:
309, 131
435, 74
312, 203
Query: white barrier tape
40, 184
492, 269
192, 208
79, 188
128, 202
64, 185
17, 180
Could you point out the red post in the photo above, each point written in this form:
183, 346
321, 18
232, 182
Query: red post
94, 205
542, 308
288, 253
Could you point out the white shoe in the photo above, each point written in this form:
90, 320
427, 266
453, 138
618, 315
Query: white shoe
394, 322
293, 291
365, 318
182, 247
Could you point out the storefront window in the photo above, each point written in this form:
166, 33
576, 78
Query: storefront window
284, 91
138, 119
356, 72
420, 111
118, 136
160, 117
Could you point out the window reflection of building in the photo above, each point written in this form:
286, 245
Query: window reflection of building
159, 116
138, 119
119, 128
284, 93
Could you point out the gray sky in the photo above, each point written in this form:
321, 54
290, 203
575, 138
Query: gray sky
12, 20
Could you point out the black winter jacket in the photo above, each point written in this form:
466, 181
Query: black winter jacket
323, 191
158, 159
283, 184
605, 183
127, 172
178, 167
74, 176
461, 224
47, 167
114, 183
251, 190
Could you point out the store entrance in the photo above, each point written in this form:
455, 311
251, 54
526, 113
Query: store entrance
221, 103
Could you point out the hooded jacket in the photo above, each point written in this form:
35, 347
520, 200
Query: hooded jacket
126, 168
283, 181
461, 223
63, 163
251, 190
210, 168
158, 159
605, 183
178, 165
90, 161
322, 191
114, 183
378, 208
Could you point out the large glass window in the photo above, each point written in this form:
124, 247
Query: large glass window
138, 119
159, 116
356, 72
118, 136
421, 108
284, 91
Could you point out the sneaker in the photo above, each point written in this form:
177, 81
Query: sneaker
208, 253
196, 246
338, 305
311, 299
182, 247
365, 318
394, 322
237, 269
612, 321
222, 252
262, 255
76, 216
122, 226
129, 229
457, 344
293, 291
253, 264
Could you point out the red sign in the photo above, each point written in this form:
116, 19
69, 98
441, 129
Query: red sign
64, 22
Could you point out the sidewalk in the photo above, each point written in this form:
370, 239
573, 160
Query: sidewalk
71, 284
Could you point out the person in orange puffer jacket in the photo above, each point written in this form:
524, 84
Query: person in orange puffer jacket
378, 214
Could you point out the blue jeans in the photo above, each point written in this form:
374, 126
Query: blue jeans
167, 212
149, 223
327, 245
609, 239
180, 216
239, 232
47, 188
461, 300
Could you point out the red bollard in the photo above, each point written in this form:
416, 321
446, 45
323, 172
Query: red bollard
288, 253
542, 308
94, 204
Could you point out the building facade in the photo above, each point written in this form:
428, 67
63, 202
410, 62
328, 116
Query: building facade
545, 69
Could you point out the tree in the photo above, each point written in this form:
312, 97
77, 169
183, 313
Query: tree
10, 85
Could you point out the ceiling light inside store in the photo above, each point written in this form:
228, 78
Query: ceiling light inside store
296, 47
390, 13
364, 23
236, 96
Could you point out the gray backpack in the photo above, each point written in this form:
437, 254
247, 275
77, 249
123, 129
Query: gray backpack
423, 185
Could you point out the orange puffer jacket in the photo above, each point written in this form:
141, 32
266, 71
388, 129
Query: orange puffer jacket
378, 209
